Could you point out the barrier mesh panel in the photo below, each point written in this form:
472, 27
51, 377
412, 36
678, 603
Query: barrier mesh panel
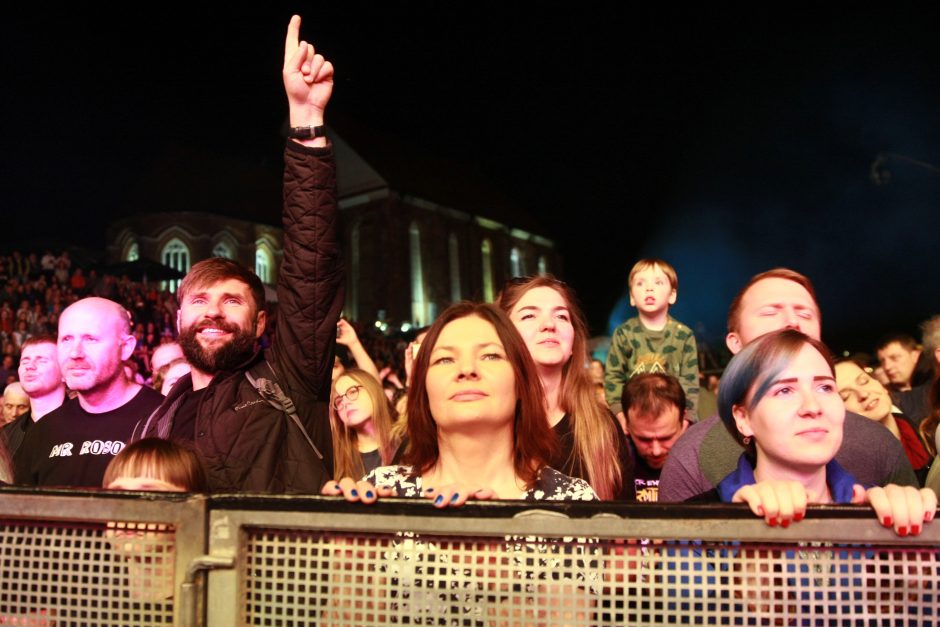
295, 577
86, 574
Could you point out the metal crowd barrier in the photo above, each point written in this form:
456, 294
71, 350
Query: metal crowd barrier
70, 558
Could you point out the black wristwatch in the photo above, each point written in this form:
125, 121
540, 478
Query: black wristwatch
306, 132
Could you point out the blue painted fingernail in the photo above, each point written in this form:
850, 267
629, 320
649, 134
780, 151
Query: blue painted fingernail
429, 490
354, 492
454, 498
369, 494
439, 499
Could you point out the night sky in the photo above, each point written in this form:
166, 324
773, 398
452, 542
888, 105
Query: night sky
727, 143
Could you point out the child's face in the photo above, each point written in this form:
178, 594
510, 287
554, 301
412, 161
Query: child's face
651, 292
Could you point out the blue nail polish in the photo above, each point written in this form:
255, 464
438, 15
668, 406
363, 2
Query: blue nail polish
454, 498
429, 490
354, 492
439, 499
369, 494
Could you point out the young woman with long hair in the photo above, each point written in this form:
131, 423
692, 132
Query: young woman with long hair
545, 312
361, 420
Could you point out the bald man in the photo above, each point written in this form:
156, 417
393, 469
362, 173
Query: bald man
15, 403
72, 446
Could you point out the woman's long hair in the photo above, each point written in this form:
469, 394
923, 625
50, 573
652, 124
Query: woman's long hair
533, 444
596, 437
347, 462
928, 426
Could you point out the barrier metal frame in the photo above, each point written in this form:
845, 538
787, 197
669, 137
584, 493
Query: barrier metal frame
185, 513
231, 519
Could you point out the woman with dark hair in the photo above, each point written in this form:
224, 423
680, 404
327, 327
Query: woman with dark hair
546, 314
476, 420
779, 398
361, 421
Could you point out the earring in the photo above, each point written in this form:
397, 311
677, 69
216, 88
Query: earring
747, 440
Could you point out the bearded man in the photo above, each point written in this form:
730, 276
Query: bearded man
244, 441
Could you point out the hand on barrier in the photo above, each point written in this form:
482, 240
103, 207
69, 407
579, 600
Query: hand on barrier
355, 491
776, 501
455, 495
904, 508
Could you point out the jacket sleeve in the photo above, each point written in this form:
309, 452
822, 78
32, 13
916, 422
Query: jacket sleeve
310, 281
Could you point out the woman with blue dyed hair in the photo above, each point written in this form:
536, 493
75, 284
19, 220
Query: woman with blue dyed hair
779, 397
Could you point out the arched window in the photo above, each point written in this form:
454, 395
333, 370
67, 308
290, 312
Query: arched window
486, 250
175, 255
516, 263
222, 249
418, 303
543, 265
133, 252
453, 252
263, 264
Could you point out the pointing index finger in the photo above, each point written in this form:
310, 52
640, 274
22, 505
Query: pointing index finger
293, 37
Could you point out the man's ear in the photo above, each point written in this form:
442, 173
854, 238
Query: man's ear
260, 323
632, 302
179, 318
734, 343
742, 420
672, 297
128, 344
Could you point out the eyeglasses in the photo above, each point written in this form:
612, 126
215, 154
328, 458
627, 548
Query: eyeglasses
350, 394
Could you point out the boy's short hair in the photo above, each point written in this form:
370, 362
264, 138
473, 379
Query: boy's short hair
645, 264
651, 394
215, 269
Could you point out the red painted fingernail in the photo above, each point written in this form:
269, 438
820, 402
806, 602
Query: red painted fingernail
772, 522
915, 530
798, 516
902, 531
887, 522
785, 523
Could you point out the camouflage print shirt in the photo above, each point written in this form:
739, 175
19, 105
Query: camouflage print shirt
634, 349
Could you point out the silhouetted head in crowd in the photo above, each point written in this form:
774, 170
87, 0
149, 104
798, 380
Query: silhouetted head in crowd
15, 403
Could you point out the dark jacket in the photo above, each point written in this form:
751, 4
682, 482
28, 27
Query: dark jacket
246, 444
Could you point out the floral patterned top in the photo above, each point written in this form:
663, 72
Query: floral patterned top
433, 584
550, 485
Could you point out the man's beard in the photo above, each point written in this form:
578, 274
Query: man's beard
227, 356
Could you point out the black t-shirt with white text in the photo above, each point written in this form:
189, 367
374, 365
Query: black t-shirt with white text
70, 447
645, 478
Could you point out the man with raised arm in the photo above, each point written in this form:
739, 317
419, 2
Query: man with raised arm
707, 452
247, 442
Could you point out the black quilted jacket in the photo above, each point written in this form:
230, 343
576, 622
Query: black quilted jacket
246, 444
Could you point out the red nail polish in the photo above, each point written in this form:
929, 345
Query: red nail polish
785, 523
915, 530
772, 522
798, 516
902, 531
887, 522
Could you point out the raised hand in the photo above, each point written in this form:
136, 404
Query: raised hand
308, 79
